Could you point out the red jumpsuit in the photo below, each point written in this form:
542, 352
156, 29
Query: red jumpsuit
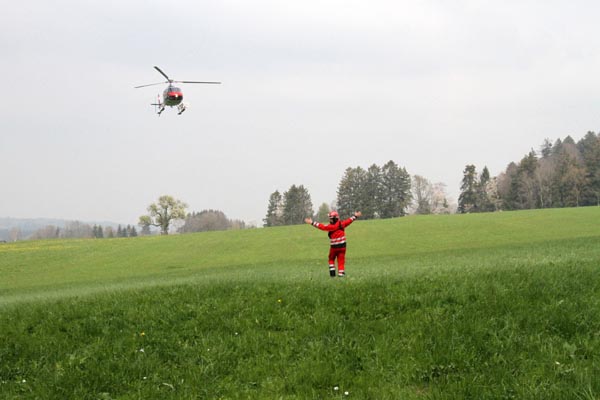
337, 240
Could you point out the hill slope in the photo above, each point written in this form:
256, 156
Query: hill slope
465, 306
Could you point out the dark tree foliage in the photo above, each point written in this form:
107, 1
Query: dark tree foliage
291, 208
274, 215
564, 174
379, 192
589, 147
467, 200
485, 198
98, 231
297, 205
351, 191
372, 193
395, 191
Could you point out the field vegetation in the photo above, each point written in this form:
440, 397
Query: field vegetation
478, 306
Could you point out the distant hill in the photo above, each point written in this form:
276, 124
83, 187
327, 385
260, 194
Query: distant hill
30, 225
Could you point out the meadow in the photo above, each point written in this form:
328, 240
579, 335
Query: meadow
480, 306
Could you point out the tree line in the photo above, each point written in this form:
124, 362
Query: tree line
378, 191
77, 229
168, 211
562, 174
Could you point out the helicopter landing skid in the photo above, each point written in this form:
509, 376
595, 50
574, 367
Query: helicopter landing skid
181, 108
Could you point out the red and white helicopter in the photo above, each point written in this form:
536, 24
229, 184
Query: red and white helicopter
172, 96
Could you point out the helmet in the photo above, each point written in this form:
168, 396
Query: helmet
334, 214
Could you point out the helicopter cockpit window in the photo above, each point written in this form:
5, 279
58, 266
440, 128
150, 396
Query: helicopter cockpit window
175, 89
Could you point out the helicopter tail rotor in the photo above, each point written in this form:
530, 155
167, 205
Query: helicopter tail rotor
159, 106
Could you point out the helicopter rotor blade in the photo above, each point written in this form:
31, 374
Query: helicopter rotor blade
217, 83
163, 74
150, 84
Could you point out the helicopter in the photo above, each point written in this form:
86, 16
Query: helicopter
172, 95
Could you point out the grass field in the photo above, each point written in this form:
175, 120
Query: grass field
480, 306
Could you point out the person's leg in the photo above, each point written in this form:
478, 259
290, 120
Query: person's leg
341, 259
332, 262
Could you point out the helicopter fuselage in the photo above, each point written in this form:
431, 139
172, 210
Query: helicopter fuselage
172, 96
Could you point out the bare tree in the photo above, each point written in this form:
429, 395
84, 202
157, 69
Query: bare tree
77, 229
422, 192
47, 232
323, 213
15, 234
209, 220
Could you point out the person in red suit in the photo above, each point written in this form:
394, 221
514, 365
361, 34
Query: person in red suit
337, 239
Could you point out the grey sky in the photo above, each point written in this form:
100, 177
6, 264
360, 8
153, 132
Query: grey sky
309, 89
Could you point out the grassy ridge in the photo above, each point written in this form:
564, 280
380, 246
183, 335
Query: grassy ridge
479, 306
40, 267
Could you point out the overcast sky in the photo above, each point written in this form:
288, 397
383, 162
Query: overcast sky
309, 89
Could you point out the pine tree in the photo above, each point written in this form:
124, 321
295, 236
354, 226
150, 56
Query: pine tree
485, 201
395, 191
350, 193
274, 210
589, 147
467, 200
297, 205
569, 180
371, 193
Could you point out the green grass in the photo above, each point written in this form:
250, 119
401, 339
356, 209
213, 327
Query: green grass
489, 306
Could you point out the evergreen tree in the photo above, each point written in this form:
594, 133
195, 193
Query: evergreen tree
569, 180
395, 191
589, 148
371, 193
467, 200
379, 192
525, 188
351, 189
546, 148
566, 175
485, 200
274, 210
297, 205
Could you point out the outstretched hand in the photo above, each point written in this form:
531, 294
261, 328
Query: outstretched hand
357, 214
308, 220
